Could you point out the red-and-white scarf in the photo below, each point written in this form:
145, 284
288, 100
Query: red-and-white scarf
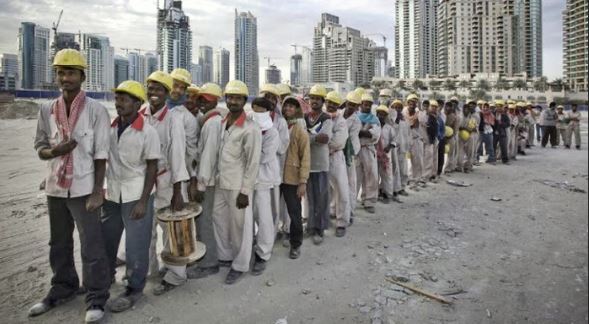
66, 125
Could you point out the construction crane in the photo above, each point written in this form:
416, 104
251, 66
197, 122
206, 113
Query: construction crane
138, 50
384, 38
269, 58
55, 26
297, 46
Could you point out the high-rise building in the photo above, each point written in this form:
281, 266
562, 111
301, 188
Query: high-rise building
341, 54
576, 53
8, 71
295, 69
415, 38
529, 26
151, 63
246, 50
137, 67
221, 67
121, 69
306, 75
100, 58
174, 37
196, 74
381, 61
205, 60
33, 56
273, 75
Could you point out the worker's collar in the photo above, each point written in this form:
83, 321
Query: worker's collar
160, 114
136, 124
239, 122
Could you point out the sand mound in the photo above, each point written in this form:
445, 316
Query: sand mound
19, 109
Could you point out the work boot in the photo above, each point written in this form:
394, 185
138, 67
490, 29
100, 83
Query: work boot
125, 300
578, 147
396, 199
43, 307
317, 239
294, 253
201, 272
233, 276
340, 231
385, 199
286, 240
163, 288
403, 192
94, 314
259, 266
370, 209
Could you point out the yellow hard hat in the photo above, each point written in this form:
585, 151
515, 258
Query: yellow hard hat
511, 106
454, 98
269, 88
283, 89
386, 93
397, 102
211, 89
354, 97
520, 104
367, 97
412, 97
132, 88
434, 103
193, 89
161, 77
318, 90
360, 91
382, 108
528, 103
500, 102
448, 131
71, 58
472, 124
447, 148
181, 75
480, 102
560, 107
236, 87
334, 97
510, 102
464, 135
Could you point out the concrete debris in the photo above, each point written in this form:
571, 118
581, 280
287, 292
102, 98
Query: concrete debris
306, 291
496, 199
564, 185
281, 321
458, 183
270, 283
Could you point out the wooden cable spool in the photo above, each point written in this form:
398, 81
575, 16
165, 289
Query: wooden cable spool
182, 243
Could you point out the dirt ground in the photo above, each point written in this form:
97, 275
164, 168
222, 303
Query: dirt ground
519, 260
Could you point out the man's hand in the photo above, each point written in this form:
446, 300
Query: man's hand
94, 201
242, 201
322, 138
192, 189
64, 147
301, 190
139, 210
177, 203
364, 133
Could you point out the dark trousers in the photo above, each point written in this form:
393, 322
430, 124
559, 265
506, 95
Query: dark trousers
539, 132
64, 215
115, 217
318, 202
441, 155
293, 205
502, 142
550, 132
488, 144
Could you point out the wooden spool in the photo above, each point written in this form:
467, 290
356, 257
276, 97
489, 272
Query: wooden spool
182, 243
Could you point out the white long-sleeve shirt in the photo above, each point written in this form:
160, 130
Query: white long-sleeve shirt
208, 148
269, 171
354, 127
191, 132
339, 135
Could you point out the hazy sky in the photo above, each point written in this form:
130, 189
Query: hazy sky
132, 24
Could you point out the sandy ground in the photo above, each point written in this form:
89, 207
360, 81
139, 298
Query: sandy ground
519, 260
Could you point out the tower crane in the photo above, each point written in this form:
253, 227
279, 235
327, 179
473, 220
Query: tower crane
384, 38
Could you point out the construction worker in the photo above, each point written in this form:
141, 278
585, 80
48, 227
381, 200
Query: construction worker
453, 120
172, 171
549, 119
574, 127
430, 141
353, 101
367, 168
384, 97
296, 172
338, 177
281, 219
486, 131
400, 170
203, 189
501, 132
467, 127
192, 103
73, 137
239, 153
475, 142
512, 141
562, 126
131, 173
415, 141
531, 116
384, 147
269, 171
283, 90
320, 128
522, 128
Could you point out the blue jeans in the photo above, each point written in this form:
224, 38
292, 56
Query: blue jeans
115, 217
318, 202
487, 141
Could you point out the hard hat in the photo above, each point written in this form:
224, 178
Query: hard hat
367, 97
360, 91
528, 103
193, 89
132, 88
469, 101
236, 87
434, 103
511, 106
500, 102
382, 108
510, 102
397, 102
334, 97
492, 104
161, 77
480, 102
560, 107
354, 97
447, 148
283, 89
211, 90
71, 58
454, 99
412, 96
386, 93
448, 131
181, 75
464, 135
269, 88
472, 124
318, 90
520, 104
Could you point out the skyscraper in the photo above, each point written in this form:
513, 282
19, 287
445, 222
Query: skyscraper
273, 74
221, 67
576, 53
306, 75
8, 72
174, 37
529, 18
196, 74
137, 67
121, 69
33, 56
205, 60
100, 58
151, 63
246, 50
295, 69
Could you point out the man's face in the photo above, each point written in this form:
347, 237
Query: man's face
412, 104
382, 116
259, 109
574, 108
126, 105
433, 110
425, 106
69, 79
500, 109
289, 110
398, 108
351, 108
156, 94
485, 108
331, 106
206, 105
178, 89
273, 98
235, 103
366, 106
316, 103
192, 103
